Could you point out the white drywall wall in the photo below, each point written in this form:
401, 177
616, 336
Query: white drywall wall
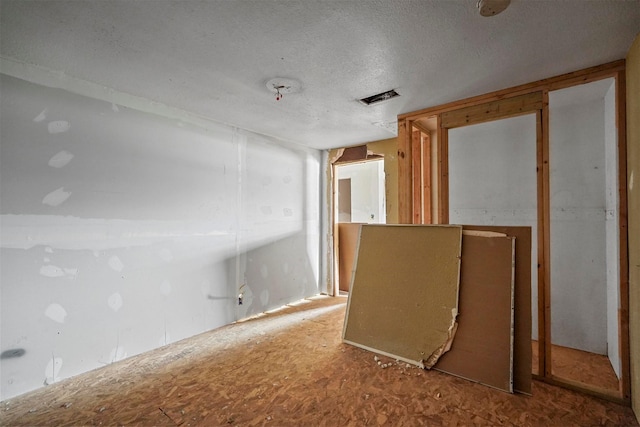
492, 180
612, 224
122, 231
578, 186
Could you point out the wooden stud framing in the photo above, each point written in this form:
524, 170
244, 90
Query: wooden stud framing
544, 238
502, 109
405, 202
443, 174
421, 176
426, 178
586, 75
528, 98
623, 314
416, 168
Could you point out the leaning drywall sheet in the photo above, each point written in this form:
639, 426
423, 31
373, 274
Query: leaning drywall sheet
522, 301
483, 348
404, 294
347, 241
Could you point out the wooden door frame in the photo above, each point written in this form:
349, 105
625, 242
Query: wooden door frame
345, 156
527, 99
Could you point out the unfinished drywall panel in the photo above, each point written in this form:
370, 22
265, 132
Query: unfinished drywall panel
278, 225
579, 233
123, 231
612, 226
404, 295
521, 300
633, 188
492, 181
482, 350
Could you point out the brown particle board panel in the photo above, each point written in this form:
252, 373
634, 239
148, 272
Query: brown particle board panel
482, 350
348, 240
522, 303
404, 293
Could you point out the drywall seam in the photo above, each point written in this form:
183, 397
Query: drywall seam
73, 233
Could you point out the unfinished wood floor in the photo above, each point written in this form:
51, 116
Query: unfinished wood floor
581, 366
291, 369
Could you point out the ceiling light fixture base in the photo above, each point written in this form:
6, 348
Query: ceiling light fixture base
492, 7
281, 86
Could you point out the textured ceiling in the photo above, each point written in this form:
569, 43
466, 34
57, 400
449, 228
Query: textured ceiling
213, 58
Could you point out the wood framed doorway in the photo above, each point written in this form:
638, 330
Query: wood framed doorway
358, 197
530, 100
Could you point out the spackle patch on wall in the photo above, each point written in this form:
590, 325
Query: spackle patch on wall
55, 271
56, 312
51, 271
52, 370
266, 210
61, 159
40, 117
115, 301
59, 126
115, 263
56, 197
264, 271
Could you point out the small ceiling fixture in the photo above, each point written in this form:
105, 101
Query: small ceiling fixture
492, 7
380, 97
281, 86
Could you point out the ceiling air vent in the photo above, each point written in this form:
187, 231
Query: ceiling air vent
375, 99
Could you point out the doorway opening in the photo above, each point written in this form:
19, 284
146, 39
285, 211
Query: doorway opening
359, 198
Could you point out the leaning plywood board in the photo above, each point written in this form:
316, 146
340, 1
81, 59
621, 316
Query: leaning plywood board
404, 293
348, 239
522, 302
483, 348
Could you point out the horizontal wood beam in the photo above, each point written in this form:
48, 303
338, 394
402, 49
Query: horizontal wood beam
553, 83
495, 110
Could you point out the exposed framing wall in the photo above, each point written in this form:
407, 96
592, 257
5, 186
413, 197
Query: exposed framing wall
525, 99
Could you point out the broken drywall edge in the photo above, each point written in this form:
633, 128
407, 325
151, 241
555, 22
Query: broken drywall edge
444, 328
435, 356
482, 233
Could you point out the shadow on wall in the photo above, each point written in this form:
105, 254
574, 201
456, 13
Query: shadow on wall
274, 274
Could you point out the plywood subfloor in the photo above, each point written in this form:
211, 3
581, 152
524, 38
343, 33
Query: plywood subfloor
291, 369
577, 365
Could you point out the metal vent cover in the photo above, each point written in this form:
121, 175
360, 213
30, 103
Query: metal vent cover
380, 97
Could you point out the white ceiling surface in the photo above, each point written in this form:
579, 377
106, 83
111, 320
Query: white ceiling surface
213, 58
